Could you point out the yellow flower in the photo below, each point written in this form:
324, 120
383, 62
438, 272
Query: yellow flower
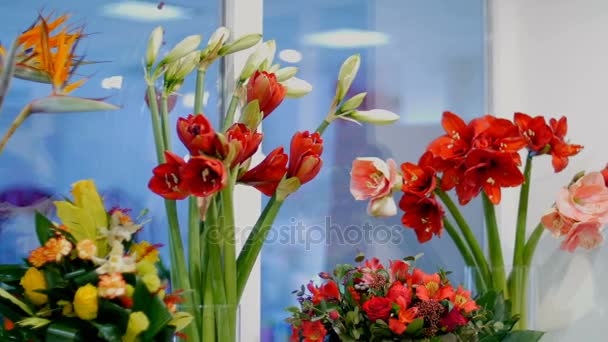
152, 282
138, 323
146, 267
85, 215
86, 302
145, 252
86, 249
112, 285
129, 290
66, 308
34, 280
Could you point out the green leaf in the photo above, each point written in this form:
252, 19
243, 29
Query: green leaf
415, 327
6, 295
292, 309
8, 69
181, 320
43, 228
62, 332
34, 322
523, 336
109, 332
153, 307
11, 273
68, 104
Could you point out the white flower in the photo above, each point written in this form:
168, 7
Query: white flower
116, 261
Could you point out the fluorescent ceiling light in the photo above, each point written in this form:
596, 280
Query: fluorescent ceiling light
347, 38
143, 11
290, 56
114, 82
188, 99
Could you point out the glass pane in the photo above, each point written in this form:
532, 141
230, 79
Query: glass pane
419, 58
50, 152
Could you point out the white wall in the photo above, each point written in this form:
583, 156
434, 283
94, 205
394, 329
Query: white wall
550, 57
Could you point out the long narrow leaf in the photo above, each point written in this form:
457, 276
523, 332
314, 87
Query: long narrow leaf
8, 69
6, 295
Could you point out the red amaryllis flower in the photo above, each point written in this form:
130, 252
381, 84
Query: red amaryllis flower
204, 176
535, 130
605, 174
167, 180
305, 156
248, 143
456, 143
267, 175
453, 320
560, 149
326, 292
265, 88
488, 170
423, 214
419, 179
378, 308
197, 134
497, 134
313, 331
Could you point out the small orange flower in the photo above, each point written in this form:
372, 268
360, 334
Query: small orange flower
37, 257
112, 285
86, 249
57, 248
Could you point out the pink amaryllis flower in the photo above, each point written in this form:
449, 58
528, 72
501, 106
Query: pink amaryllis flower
374, 179
585, 200
587, 235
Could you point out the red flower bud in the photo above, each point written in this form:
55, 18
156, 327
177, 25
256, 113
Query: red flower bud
248, 142
197, 134
334, 315
204, 176
265, 88
268, 174
167, 181
305, 156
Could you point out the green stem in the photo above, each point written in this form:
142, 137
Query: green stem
159, 142
532, 243
234, 101
228, 235
496, 259
215, 280
519, 274
322, 127
478, 257
255, 242
199, 93
165, 120
466, 254
25, 112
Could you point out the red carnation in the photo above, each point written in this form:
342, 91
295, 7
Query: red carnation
453, 320
397, 290
313, 331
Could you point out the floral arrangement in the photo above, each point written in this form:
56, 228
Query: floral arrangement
369, 302
482, 157
47, 53
220, 158
89, 280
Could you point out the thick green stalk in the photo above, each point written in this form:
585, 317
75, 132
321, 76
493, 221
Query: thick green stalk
255, 242
496, 259
165, 120
199, 93
25, 112
518, 278
532, 243
466, 254
322, 127
234, 101
159, 142
228, 236
478, 256
215, 279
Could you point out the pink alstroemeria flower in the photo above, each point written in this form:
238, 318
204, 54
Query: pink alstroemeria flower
374, 179
585, 200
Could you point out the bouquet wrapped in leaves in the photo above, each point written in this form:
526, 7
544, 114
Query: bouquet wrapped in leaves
89, 280
369, 302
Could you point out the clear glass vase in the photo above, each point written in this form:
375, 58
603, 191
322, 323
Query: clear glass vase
522, 292
213, 323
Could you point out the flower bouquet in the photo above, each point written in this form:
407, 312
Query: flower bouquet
369, 302
213, 275
482, 157
47, 53
89, 281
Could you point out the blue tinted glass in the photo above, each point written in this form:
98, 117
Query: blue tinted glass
50, 152
419, 58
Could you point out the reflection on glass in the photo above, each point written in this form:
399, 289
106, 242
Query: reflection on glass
418, 59
50, 152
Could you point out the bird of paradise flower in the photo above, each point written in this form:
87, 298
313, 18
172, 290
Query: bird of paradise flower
46, 53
